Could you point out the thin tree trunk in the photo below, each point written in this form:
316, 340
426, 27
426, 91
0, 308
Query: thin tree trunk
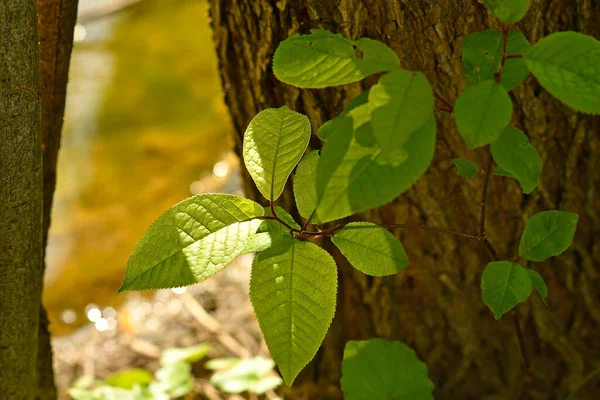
20, 198
435, 304
56, 24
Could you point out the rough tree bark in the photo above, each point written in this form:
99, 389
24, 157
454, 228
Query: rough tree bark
20, 198
435, 305
56, 24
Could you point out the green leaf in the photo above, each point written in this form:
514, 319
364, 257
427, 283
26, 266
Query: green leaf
192, 241
516, 156
128, 379
502, 172
190, 354
482, 113
175, 379
482, 54
353, 176
323, 59
465, 167
402, 102
380, 370
567, 64
305, 184
329, 127
547, 234
509, 11
293, 289
504, 284
270, 232
249, 375
371, 249
273, 144
538, 283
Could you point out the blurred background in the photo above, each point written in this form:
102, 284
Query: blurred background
145, 127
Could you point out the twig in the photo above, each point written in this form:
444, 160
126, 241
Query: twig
212, 325
508, 57
498, 74
443, 100
526, 363
431, 228
483, 204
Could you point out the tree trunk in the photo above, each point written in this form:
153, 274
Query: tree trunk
56, 24
20, 198
435, 304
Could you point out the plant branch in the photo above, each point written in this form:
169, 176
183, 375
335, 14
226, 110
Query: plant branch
444, 101
483, 203
526, 362
431, 228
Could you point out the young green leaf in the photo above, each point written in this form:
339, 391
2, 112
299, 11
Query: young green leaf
465, 167
547, 234
371, 249
322, 59
352, 176
305, 184
128, 379
515, 155
293, 289
336, 123
192, 241
189, 354
401, 103
380, 370
567, 64
245, 375
273, 144
482, 112
539, 284
482, 54
504, 284
509, 11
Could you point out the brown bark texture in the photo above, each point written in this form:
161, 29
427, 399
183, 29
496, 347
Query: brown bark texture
435, 304
56, 24
20, 198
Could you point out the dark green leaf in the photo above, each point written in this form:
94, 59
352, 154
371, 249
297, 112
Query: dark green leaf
539, 284
465, 167
547, 234
504, 284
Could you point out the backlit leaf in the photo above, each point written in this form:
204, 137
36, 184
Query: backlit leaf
293, 290
336, 123
322, 59
192, 241
371, 249
305, 184
547, 234
273, 144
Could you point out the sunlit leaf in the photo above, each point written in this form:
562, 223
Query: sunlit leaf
273, 144
322, 59
192, 241
305, 184
293, 290
371, 249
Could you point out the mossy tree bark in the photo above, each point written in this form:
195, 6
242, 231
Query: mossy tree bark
56, 24
435, 305
20, 198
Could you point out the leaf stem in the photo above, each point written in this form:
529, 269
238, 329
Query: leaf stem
431, 228
508, 57
498, 74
